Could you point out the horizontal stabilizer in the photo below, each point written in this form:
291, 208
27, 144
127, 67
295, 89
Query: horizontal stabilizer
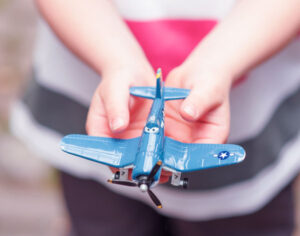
169, 93
150, 92
175, 93
143, 92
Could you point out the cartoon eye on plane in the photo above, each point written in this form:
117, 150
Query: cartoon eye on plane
148, 154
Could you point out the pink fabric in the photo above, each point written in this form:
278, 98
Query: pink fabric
168, 42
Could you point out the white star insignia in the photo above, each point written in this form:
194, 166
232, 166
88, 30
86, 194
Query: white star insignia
223, 154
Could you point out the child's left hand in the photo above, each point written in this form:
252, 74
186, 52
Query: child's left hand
237, 44
204, 116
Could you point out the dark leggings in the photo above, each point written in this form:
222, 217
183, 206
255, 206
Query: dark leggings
95, 210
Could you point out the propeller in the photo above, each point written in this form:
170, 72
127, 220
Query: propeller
154, 170
154, 198
144, 183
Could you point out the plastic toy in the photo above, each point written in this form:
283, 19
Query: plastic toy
148, 154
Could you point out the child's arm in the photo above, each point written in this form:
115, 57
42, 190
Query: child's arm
93, 30
253, 31
96, 33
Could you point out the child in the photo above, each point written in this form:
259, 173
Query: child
215, 61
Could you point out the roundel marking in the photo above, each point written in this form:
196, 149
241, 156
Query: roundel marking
223, 155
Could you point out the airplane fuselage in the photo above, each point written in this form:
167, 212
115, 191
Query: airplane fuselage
151, 146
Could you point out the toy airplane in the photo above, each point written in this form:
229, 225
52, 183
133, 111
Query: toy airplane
148, 154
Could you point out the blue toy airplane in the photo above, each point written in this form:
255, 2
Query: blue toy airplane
148, 154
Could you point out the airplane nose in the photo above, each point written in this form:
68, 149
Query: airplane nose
144, 187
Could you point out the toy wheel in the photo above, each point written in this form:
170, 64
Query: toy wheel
117, 175
185, 183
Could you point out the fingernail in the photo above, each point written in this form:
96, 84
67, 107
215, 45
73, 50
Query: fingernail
190, 110
117, 123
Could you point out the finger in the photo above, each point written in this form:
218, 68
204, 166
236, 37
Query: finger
201, 100
174, 79
115, 98
97, 123
214, 126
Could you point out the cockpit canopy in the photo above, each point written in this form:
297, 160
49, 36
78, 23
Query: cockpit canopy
151, 128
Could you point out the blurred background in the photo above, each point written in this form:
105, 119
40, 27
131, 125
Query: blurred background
30, 198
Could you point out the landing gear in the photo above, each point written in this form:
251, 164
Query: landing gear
116, 175
176, 181
121, 175
144, 182
185, 183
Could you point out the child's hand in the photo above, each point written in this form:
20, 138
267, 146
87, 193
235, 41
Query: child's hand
112, 103
204, 116
112, 107
237, 44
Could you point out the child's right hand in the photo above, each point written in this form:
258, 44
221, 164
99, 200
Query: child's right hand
111, 104
96, 33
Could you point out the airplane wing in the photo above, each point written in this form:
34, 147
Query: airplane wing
186, 157
109, 151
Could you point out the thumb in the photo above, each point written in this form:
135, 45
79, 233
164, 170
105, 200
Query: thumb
115, 98
200, 101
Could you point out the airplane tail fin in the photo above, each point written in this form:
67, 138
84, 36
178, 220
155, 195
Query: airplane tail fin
150, 92
159, 84
160, 91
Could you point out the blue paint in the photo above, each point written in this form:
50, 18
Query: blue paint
142, 153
